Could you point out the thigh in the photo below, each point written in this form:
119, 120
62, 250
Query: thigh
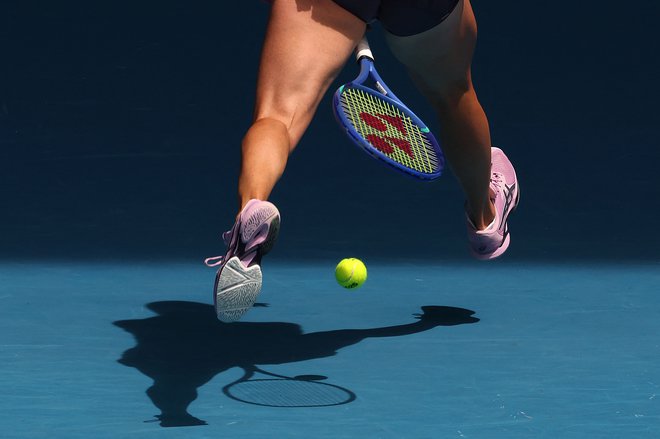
441, 56
307, 43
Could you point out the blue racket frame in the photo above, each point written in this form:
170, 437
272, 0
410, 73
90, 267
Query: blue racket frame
368, 70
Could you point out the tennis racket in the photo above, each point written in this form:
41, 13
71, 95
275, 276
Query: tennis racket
259, 387
383, 126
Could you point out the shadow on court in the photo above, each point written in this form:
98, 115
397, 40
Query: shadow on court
185, 346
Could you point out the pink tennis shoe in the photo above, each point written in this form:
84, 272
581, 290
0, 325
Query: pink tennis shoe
494, 240
238, 280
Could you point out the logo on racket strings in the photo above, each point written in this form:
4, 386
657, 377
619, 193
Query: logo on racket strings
392, 138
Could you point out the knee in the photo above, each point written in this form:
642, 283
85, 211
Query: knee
276, 109
454, 90
293, 111
448, 92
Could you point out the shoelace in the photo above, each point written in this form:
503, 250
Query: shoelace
226, 237
218, 259
496, 180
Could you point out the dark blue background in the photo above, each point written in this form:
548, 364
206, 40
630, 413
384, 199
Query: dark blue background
120, 125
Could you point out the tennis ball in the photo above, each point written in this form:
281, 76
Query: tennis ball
351, 273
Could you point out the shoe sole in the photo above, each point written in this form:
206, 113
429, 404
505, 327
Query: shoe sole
237, 287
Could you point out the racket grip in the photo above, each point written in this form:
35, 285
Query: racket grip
362, 50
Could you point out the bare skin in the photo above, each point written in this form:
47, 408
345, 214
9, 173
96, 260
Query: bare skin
307, 44
438, 61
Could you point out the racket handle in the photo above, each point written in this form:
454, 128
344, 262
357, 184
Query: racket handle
362, 50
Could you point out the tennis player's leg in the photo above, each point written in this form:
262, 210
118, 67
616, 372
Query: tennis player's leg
306, 45
439, 61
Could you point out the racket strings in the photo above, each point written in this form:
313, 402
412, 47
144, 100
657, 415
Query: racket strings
390, 130
289, 393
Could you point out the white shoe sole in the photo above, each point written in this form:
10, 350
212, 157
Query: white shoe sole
237, 289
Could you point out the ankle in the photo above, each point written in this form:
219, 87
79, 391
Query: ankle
484, 217
244, 199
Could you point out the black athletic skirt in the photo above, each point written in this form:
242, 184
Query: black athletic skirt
401, 17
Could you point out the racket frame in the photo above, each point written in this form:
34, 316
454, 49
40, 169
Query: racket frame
368, 70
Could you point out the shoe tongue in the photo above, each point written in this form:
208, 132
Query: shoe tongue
227, 236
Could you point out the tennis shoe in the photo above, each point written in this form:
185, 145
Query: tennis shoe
494, 240
238, 279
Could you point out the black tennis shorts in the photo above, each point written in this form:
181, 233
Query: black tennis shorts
401, 17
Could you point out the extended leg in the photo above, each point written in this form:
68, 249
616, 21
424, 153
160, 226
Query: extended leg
439, 62
307, 43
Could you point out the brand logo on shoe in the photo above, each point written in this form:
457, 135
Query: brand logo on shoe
508, 199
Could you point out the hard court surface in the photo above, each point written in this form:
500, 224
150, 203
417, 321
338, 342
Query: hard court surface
119, 134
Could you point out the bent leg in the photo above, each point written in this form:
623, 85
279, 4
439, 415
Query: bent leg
307, 43
439, 61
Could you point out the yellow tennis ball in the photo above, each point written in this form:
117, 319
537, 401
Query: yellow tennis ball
351, 273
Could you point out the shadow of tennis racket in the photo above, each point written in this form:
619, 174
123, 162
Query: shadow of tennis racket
259, 387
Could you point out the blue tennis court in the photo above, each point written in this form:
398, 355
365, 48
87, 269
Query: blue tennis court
118, 177
555, 351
